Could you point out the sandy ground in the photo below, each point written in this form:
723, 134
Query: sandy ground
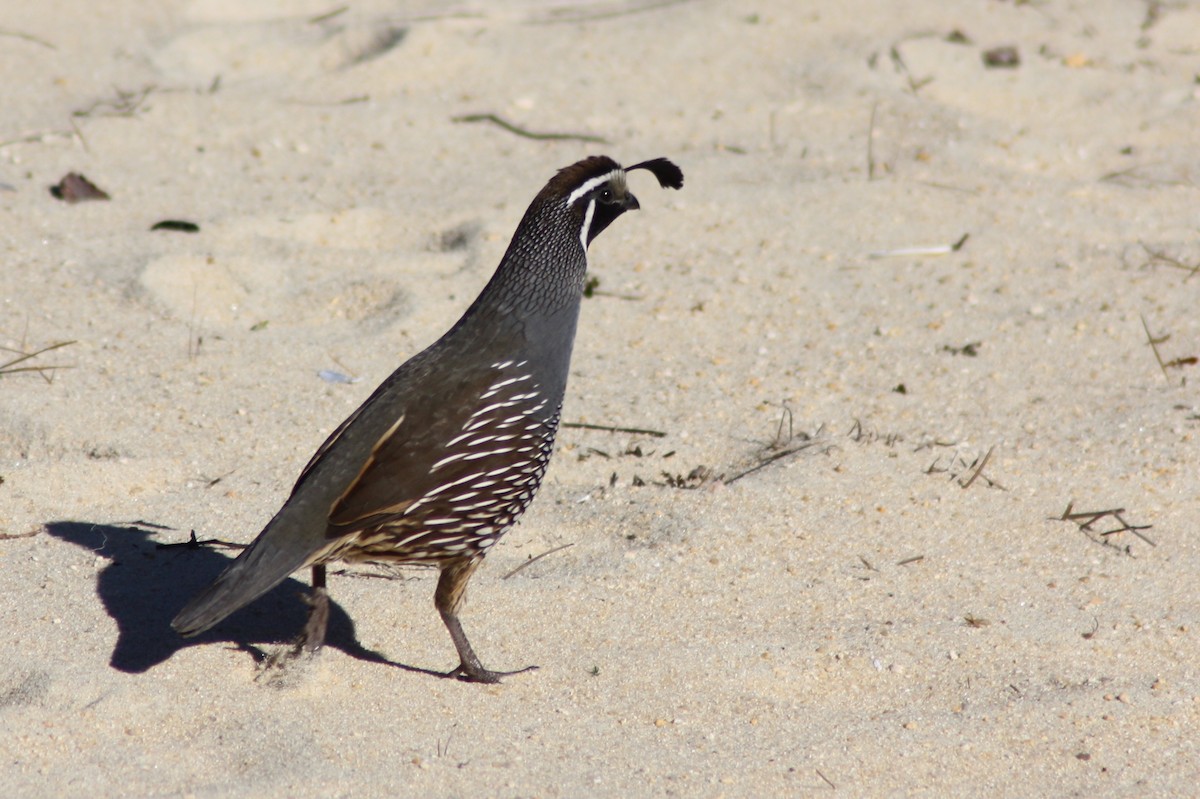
870, 613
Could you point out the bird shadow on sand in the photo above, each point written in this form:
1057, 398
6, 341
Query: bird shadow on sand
145, 585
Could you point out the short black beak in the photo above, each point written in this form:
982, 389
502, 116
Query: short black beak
631, 203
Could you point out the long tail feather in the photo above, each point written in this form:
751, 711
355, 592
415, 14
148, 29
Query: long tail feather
275, 554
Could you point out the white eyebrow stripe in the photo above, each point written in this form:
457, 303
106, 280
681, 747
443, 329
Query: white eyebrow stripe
591, 184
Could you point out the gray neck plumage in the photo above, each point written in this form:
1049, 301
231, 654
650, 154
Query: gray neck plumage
530, 306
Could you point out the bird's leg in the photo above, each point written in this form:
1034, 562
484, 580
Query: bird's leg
313, 637
452, 585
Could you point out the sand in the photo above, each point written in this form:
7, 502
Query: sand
844, 567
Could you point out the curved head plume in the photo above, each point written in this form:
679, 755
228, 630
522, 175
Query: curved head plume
669, 176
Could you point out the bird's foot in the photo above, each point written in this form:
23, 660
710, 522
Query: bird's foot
477, 673
313, 636
279, 659
311, 639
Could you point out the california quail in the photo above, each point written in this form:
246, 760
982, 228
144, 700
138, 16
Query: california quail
447, 453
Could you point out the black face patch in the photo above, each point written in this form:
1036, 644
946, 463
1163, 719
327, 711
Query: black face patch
603, 205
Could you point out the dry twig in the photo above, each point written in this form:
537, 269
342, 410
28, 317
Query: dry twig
1162, 257
1085, 519
528, 134
978, 470
11, 366
611, 429
30, 534
534, 560
195, 543
1174, 363
973, 470
871, 143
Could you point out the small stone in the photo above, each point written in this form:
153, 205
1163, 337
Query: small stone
1002, 58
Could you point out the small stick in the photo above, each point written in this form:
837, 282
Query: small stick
79, 135
635, 8
1159, 255
442, 751
914, 85
765, 462
1130, 178
534, 560
29, 38
933, 184
41, 136
194, 543
212, 481
39, 369
1091, 516
27, 355
1174, 363
192, 326
610, 429
1131, 528
941, 249
871, 143
913, 559
352, 100
978, 471
7, 368
1154, 342
328, 15
1094, 516
30, 534
933, 442
827, 780
528, 134
780, 441
126, 104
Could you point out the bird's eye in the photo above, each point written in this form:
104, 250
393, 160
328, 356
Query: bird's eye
606, 196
